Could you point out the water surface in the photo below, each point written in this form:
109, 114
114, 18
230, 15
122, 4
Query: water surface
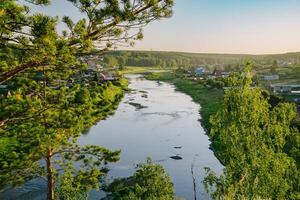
167, 126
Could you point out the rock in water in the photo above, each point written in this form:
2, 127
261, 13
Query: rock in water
176, 157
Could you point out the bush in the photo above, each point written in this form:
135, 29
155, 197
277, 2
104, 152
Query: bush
82, 96
150, 181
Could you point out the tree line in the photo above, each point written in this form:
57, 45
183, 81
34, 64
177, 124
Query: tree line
228, 62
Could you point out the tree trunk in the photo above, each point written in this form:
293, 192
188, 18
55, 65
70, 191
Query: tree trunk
50, 193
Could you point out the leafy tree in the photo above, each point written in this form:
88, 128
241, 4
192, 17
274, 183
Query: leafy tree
122, 63
110, 61
251, 138
49, 130
82, 96
273, 69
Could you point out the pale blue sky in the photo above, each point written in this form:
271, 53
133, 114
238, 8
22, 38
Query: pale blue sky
219, 26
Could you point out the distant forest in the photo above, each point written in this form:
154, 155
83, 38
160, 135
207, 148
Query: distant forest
192, 60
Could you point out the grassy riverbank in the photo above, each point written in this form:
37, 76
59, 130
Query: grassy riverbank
209, 98
110, 95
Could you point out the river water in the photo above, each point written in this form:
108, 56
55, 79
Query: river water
166, 124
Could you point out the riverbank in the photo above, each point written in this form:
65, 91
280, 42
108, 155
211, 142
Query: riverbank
210, 99
110, 95
140, 70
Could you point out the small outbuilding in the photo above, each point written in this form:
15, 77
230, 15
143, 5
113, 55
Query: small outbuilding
270, 77
288, 89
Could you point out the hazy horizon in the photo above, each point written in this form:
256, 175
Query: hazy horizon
217, 26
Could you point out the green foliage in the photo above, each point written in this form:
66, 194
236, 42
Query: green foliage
110, 61
170, 59
292, 146
74, 183
149, 182
82, 96
42, 126
31, 40
251, 138
42, 116
122, 63
215, 83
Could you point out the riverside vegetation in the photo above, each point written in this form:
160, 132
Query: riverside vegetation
255, 140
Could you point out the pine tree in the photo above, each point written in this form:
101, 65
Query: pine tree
41, 117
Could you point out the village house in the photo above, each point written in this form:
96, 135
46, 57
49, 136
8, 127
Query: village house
293, 89
107, 77
225, 74
94, 65
270, 77
219, 74
216, 73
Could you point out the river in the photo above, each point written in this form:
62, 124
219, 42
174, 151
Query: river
153, 120
167, 126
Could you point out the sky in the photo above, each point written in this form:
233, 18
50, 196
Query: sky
218, 26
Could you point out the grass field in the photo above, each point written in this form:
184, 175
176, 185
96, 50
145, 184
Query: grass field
287, 75
140, 70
